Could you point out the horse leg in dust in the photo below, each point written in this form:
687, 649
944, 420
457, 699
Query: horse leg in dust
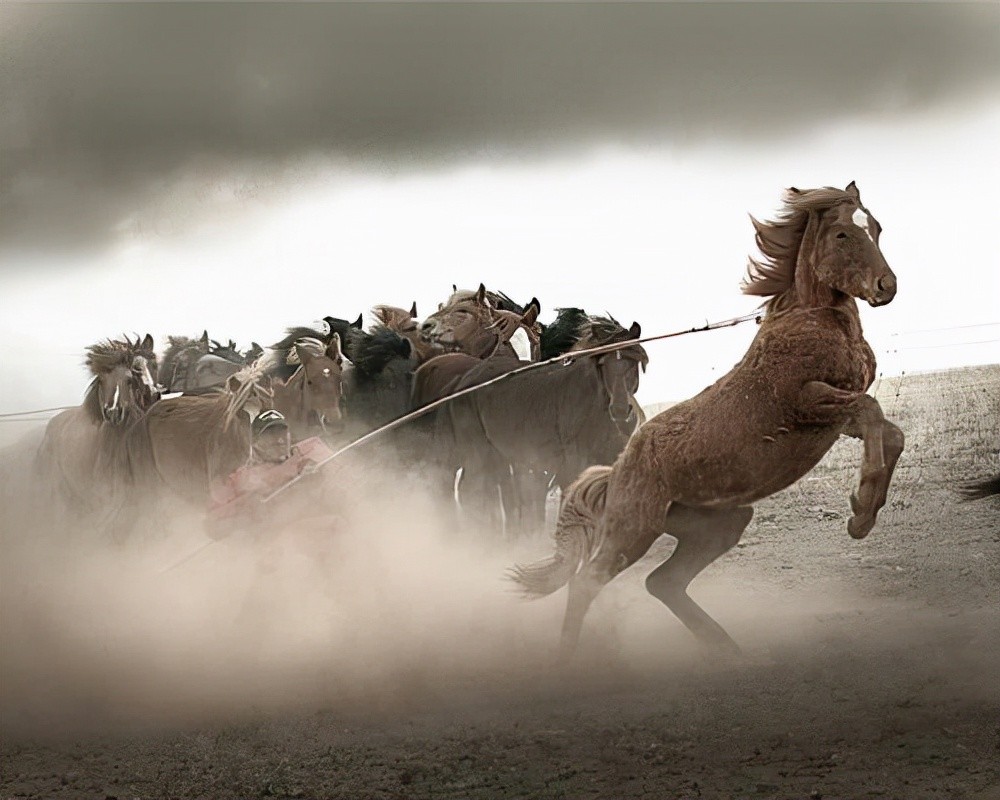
702, 536
624, 537
883, 445
479, 492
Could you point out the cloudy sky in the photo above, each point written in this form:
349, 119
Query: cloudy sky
243, 167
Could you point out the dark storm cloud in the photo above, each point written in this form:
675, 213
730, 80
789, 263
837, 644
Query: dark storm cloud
103, 104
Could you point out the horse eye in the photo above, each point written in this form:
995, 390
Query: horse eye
841, 235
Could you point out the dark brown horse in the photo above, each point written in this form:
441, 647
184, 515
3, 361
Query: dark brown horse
695, 470
557, 420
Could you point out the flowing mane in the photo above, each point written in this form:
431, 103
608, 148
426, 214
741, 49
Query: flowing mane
112, 353
773, 274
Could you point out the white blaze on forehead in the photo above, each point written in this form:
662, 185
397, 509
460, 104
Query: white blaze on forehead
114, 400
860, 218
147, 377
521, 344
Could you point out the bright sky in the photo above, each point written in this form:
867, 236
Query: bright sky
656, 235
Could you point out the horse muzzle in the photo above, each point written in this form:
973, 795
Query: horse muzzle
883, 292
114, 415
624, 422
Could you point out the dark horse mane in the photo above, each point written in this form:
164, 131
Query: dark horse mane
562, 334
294, 334
371, 351
106, 356
596, 331
779, 240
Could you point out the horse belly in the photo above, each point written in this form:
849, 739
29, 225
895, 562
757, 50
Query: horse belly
724, 467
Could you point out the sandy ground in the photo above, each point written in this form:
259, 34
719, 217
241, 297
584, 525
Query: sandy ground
871, 669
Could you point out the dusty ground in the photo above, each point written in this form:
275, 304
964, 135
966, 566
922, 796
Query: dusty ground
872, 669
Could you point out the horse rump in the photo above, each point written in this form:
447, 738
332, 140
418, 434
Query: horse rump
575, 536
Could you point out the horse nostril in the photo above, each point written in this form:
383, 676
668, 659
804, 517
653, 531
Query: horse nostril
880, 284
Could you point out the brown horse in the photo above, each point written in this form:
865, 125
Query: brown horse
78, 450
183, 444
695, 470
312, 396
556, 421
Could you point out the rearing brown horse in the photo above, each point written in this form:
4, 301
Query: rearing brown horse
695, 470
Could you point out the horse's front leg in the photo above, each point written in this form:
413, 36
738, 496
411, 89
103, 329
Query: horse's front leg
883, 444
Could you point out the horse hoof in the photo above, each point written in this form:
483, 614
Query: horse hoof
860, 526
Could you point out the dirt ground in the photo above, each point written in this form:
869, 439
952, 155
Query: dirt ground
870, 669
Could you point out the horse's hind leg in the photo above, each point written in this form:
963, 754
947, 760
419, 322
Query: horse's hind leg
702, 536
623, 539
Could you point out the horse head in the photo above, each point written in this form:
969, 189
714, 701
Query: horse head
124, 384
463, 324
313, 394
822, 248
619, 369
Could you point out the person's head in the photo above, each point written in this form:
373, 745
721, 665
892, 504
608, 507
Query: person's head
272, 440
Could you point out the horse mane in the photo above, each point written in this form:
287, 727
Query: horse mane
295, 334
109, 354
562, 334
596, 331
467, 296
249, 379
374, 349
92, 403
502, 302
779, 240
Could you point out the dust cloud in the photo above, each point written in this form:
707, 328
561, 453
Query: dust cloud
381, 609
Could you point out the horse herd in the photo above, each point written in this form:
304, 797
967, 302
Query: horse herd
177, 424
694, 471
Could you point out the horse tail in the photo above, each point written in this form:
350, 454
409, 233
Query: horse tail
976, 490
576, 536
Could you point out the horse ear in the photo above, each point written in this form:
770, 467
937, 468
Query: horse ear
454, 288
413, 310
333, 348
853, 191
440, 306
530, 317
481, 295
537, 304
204, 337
635, 331
147, 343
305, 354
358, 322
794, 190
